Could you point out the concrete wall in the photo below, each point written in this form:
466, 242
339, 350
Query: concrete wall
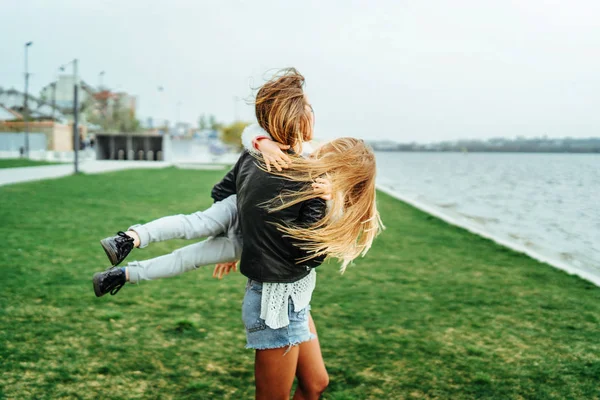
62, 138
10, 141
129, 147
59, 137
158, 148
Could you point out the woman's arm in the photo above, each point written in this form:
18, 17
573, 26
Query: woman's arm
226, 187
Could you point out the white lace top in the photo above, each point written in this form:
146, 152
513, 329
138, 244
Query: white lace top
275, 299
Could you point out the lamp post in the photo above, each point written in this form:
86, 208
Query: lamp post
25, 105
104, 102
75, 112
53, 84
100, 77
161, 91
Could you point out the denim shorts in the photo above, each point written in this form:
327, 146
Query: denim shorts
259, 336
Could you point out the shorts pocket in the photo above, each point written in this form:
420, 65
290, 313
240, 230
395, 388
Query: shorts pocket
255, 286
300, 316
251, 311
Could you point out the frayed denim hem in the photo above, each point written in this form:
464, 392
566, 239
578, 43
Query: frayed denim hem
278, 346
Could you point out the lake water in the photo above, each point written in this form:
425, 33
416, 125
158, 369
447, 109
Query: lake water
546, 203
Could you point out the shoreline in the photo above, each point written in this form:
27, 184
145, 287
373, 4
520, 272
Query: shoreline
588, 276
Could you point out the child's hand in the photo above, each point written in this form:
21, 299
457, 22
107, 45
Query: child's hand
273, 155
224, 269
323, 187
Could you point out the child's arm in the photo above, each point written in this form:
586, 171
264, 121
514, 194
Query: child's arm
252, 135
258, 141
323, 187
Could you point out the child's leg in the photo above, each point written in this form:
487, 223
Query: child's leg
211, 251
213, 221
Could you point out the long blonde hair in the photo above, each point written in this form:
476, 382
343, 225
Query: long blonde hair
352, 220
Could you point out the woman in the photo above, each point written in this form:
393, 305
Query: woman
269, 260
280, 269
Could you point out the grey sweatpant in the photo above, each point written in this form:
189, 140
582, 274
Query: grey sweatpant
220, 218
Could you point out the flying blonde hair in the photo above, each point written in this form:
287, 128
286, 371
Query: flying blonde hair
352, 221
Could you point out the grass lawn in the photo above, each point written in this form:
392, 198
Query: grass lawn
23, 162
432, 312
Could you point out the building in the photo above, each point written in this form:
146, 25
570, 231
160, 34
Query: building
128, 102
6, 114
60, 93
111, 111
50, 129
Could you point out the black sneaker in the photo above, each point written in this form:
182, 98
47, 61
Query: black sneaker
109, 281
117, 247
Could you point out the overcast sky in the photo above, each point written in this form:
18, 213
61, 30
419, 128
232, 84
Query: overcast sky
401, 70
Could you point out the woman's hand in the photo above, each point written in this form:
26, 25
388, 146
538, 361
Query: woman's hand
323, 187
272, 154
224, 269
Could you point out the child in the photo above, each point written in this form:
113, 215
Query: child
219, 222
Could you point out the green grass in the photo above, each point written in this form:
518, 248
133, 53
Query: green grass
23, 162
433, 312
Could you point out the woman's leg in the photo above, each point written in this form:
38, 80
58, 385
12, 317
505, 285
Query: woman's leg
311, 372
274, 371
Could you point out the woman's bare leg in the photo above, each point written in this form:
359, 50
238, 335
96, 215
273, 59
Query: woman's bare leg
274, 371
311, 372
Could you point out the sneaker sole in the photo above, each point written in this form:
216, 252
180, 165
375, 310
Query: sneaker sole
97, 285
112, 257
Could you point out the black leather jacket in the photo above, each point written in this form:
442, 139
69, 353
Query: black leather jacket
268, 256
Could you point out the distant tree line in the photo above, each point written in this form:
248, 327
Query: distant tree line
230, 134
518, 145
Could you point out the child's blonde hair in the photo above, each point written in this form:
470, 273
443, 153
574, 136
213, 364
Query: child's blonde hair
352, 220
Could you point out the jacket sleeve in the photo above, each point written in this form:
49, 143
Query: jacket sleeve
312, 211
227, 186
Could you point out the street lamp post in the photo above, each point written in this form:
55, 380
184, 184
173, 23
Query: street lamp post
53, 84
104, 102
25, 105
100, 77
161, 91
75, 112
